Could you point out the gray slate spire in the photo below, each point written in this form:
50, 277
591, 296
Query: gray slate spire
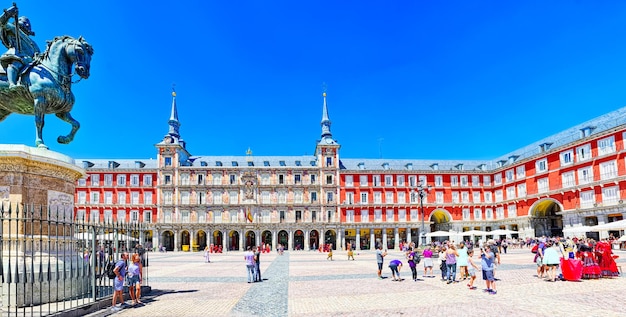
325, 121
173, 122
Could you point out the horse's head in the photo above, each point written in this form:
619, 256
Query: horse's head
79, 52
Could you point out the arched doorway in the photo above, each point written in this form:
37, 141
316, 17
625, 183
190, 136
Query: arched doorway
185, 240
266, 238
283, 238
233, 244
365, 239
250, 239
201, 242
440, 220
298, 240
350, 238
147, 239
330, 237
314, 240
545, 219
218, 241
168, 240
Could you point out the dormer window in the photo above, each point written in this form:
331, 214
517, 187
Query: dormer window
501, 163
361, 166
313, 163
139, 164
586, 131
545, 146
459, 166
386, 166
87, 164
435, 166
281, 163
250, 163
218, 163
113, 164
235, 163
203, 163
298, 163
409, 166
512, 158
266, 163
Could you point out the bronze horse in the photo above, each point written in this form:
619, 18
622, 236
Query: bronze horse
46, 85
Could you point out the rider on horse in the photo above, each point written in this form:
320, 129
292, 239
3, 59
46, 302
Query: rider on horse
21, 48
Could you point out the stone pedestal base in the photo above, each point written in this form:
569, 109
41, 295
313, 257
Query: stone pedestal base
39, 261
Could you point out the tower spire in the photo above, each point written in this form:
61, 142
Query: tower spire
173, 121
325, 120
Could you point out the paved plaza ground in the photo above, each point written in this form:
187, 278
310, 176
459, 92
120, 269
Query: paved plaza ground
305, 283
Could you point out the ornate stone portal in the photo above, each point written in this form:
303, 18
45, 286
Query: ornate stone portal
37, 196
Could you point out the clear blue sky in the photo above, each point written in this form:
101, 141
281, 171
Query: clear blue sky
432, 79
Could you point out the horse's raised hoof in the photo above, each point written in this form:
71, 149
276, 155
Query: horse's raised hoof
40, 145
63, 139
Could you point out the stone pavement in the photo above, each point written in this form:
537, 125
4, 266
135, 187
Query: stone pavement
304, 283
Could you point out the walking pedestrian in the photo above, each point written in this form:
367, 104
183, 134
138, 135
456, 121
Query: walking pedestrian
412, 263
206, 254
330, 254
472, 267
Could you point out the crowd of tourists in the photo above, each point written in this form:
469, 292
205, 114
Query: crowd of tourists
557, 259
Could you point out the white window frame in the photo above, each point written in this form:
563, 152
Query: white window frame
567, 157
349, 181
365, 215
543, 185
606, 146
583, 153
568, 179
438, 181
608, 170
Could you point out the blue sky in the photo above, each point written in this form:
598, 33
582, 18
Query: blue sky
405, 79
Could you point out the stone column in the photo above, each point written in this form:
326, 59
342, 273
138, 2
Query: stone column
290, 241
258, 237
340, 240
274, 239
408, 236
396, 239
384, 242
224, 241
358, 240
372, 239
241, 234
176, 246
307, 247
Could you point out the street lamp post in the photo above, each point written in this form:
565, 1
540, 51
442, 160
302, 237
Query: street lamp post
422, 190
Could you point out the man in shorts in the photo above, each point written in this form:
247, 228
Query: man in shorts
486, 259
118, 282
380, 256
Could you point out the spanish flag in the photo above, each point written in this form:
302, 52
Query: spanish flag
249, 215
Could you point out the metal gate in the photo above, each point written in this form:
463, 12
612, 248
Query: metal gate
51, 263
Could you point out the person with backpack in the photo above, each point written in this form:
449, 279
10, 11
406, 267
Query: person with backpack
413, 260
118, 281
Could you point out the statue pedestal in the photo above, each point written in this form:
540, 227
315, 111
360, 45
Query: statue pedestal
40, 262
